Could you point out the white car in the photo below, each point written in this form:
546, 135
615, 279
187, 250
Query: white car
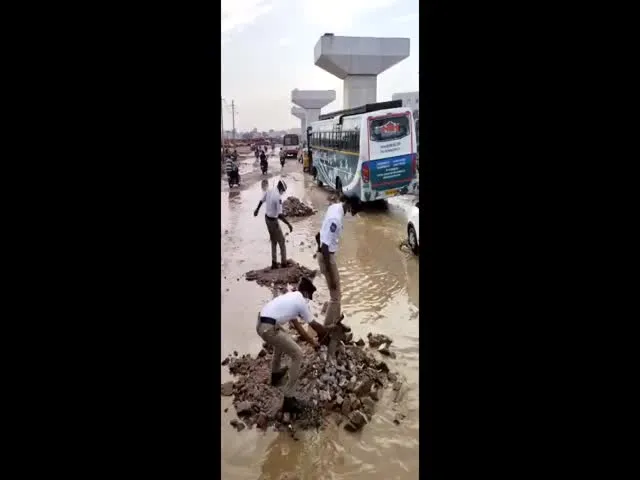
413, 228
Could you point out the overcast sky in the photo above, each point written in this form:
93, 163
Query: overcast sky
267, 51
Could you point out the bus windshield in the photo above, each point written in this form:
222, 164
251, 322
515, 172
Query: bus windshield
290, 140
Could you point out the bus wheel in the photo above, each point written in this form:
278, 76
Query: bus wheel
338, 186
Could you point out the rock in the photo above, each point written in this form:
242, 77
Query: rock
235, 353
262, 353
398, 418
360, 342
226, 389
375, 394
368, 405
364, 387
244, 408
239, 426
346, 406
226, 410
293, 207
375, 340
339, 399
225, 361
357, 420
262, 421
382, 366
286, 417
278, 279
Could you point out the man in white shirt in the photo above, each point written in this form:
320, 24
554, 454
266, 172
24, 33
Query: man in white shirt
275, 315
327, 240
273, 206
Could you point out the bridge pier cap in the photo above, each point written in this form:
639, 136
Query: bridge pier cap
358, 61
301, 114
312, 101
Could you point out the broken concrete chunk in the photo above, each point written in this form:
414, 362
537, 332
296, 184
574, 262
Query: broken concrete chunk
360, 342
262, 421
368, 405
226, 389
398, 418
383, 367
357, 420
239, 426
244, 408
225, 361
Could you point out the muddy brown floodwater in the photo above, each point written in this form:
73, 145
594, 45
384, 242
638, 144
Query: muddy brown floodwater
380, 286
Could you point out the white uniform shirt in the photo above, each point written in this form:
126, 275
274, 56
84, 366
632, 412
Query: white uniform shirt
272, 202
287, 307
332, 227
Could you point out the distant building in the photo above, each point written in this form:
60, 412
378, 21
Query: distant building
410, 100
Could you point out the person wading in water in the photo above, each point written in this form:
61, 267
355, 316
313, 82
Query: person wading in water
327, 240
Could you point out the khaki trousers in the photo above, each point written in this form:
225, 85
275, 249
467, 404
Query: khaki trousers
277, 238
282, 342
333, 312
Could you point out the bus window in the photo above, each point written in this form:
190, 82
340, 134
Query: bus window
385, 129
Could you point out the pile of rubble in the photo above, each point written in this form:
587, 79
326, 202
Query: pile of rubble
344, 389
293, 207
280, 277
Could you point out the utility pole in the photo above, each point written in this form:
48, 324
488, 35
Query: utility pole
233, 120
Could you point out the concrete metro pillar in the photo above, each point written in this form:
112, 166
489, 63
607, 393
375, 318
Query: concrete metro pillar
300, 113
358, 61
312, 101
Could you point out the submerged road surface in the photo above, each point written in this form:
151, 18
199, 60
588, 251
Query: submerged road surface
379, 284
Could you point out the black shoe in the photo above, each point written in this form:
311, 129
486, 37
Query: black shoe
292, 405
276, 377
274, 266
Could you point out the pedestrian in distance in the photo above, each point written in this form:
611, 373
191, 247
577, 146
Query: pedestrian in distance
288, 308
273, 212
327, 240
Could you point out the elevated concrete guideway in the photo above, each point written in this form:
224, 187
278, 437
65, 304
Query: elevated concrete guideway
312, 101
299, 113
358, 61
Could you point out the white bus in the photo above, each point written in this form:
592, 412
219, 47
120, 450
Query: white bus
368, 151
290, 145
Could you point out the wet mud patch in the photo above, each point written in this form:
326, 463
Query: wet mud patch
280, 278
342, 390
293, 207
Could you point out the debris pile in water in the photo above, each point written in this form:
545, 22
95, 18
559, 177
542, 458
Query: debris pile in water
280, 277
344, 389
293, 207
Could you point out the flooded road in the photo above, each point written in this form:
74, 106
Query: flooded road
380, 293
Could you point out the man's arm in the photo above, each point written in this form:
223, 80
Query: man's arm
264, 197
304, 334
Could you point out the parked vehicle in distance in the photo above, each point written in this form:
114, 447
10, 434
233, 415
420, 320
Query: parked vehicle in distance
290, 145
413, 228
